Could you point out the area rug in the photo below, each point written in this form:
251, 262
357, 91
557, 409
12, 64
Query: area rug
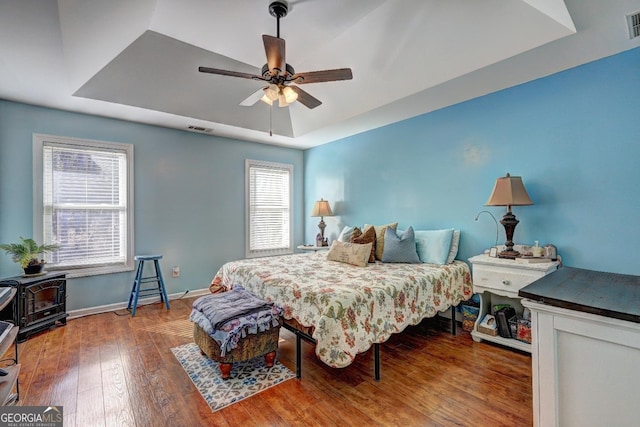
247, 378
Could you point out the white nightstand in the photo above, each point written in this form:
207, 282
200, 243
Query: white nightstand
498, 281
313, 248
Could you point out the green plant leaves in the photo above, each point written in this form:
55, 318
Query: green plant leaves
24, 252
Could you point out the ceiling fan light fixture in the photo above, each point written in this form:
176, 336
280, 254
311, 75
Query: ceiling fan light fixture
266, 99
282, 100
290, 95
272, 91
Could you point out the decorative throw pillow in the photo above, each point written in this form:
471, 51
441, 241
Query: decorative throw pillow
434, 245
455, 243
369, 236
380, 229
400, 248
346, 233
350, 253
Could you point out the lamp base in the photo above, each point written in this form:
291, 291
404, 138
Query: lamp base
509, 254
509, 221
320, 239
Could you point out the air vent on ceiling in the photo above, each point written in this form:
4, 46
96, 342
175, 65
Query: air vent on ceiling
199, 129
633, 21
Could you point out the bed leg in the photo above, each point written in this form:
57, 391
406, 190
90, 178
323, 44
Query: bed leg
298, 356
376, 361
453, 320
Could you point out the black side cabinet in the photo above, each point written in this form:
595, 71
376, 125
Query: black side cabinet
41, 301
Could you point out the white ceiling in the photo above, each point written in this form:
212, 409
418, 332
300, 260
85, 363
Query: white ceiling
138, 60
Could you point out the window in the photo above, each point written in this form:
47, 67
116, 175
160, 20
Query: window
84, 203
269, 218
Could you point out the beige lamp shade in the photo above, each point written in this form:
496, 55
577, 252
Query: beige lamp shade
509, 191
321, 208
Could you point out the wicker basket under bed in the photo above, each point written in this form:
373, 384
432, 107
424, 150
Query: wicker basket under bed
253, 345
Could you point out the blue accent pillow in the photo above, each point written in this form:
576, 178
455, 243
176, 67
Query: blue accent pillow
400, 248
433, 245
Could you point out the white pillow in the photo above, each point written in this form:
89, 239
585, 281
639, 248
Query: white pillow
350, 253
433, 246
346, 233
455, 243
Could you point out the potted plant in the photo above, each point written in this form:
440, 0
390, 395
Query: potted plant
27, 254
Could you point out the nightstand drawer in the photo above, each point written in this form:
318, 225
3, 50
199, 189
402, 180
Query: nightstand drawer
505, 279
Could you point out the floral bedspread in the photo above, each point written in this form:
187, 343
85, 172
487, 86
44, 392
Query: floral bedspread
350, 308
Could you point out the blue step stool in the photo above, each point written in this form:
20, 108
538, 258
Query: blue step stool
136, 291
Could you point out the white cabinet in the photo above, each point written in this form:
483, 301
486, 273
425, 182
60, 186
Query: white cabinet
586, 348
498, 281
584, 368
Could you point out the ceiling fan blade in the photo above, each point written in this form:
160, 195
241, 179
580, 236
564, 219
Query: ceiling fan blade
323, 76
229, 73
305, 99
274, 48
253, 98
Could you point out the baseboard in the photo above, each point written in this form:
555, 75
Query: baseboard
73, 314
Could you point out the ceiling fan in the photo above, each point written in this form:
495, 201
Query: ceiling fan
279, 75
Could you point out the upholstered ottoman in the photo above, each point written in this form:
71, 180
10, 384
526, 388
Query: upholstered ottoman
253, 345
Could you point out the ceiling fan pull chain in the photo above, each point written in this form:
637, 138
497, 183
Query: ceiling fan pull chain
270, 120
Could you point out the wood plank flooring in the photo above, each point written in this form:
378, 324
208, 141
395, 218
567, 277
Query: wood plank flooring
110, 370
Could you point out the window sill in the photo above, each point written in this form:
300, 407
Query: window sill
93, 271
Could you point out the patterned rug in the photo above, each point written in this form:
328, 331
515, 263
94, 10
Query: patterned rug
247, 378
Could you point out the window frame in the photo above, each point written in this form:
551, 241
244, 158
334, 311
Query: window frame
249, 163
39, 142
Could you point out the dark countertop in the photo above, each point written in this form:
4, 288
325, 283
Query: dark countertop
606, 294
30, 278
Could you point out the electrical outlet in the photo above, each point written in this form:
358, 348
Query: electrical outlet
176, 271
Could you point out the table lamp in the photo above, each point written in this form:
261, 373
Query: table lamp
321, 208
509, 191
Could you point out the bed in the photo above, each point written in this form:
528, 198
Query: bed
346, 309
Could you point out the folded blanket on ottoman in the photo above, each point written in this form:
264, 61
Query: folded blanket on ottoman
229, 316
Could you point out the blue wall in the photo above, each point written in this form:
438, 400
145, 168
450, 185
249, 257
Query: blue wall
572, 136
189, 195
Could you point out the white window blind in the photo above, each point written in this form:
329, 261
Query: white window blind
269, 208
86, 204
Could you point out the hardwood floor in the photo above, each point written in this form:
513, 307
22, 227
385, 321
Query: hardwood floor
109, 370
